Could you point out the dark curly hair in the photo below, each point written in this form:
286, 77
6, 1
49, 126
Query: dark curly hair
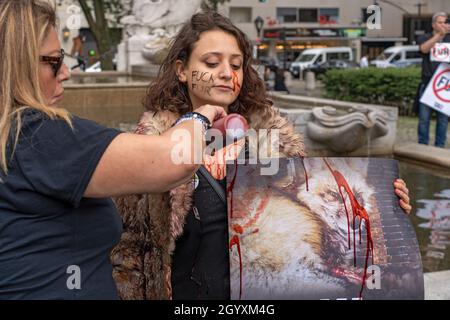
168, 93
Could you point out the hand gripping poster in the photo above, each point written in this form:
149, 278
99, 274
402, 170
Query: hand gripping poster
321, 228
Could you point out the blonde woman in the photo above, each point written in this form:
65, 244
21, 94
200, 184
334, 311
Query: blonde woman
57, 222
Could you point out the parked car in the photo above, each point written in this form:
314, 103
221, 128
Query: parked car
323, 67
310, 57
407, 64
398, 56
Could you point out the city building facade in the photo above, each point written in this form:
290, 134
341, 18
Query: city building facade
290, 26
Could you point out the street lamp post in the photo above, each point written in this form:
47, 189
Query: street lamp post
259, 23
66, 33
283, 37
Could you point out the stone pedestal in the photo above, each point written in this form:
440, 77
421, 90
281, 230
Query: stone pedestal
130, 52
310, 79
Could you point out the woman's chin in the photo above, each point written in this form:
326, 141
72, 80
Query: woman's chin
223, 102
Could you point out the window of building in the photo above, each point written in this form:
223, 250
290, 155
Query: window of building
241, 14
308, 15
286, 15
329, 15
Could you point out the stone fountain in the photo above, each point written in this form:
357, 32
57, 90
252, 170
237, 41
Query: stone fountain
148, 31
346, 131
338, 128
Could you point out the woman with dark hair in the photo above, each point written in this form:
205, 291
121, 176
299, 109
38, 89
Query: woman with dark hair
175, 244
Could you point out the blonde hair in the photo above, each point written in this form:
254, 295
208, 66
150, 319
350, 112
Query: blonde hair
24, 24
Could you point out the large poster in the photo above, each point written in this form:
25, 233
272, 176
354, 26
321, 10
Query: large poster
321, 228
437, 93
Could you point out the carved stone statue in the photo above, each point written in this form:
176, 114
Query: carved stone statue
345, 131
154, 22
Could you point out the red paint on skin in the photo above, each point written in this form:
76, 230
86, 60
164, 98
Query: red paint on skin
358, 211
236, 85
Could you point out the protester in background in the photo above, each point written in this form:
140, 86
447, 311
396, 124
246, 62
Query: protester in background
77, 52
364, 62
440, 34
280, 80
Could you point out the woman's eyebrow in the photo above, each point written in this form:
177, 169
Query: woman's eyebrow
221, 54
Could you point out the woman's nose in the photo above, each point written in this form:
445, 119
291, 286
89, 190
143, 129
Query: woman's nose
64, 73
226, 72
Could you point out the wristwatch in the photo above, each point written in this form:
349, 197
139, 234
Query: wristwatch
195, 116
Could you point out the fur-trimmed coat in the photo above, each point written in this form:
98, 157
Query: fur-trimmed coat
152, 222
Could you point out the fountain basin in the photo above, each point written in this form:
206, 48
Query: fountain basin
331, 127
109, 98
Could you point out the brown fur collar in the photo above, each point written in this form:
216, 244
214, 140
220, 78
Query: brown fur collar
142, 259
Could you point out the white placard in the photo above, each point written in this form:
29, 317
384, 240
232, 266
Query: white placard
437, 93
440, 52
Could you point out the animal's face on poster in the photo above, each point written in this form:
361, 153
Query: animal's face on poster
297, 235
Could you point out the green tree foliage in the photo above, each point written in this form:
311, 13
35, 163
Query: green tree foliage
97, 13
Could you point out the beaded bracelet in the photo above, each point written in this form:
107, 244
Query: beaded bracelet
195, 116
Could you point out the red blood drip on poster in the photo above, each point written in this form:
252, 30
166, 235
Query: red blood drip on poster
241, 230
236, 242
306, 174
259, 210
358, 211
236, 85
231, 187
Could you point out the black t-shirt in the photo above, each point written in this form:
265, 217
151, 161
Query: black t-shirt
429, 67
49, 232
201, 266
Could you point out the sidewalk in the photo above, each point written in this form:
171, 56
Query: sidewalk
437, 285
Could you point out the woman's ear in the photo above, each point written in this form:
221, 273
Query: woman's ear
181, 71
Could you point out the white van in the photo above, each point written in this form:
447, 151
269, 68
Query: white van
316, 56
399, 56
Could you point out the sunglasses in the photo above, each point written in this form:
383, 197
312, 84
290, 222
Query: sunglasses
54, 62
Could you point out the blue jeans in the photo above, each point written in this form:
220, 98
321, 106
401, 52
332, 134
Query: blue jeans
425, 113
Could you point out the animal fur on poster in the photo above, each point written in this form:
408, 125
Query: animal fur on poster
292, 237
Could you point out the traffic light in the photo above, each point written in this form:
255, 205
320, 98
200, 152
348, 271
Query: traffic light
263, 1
